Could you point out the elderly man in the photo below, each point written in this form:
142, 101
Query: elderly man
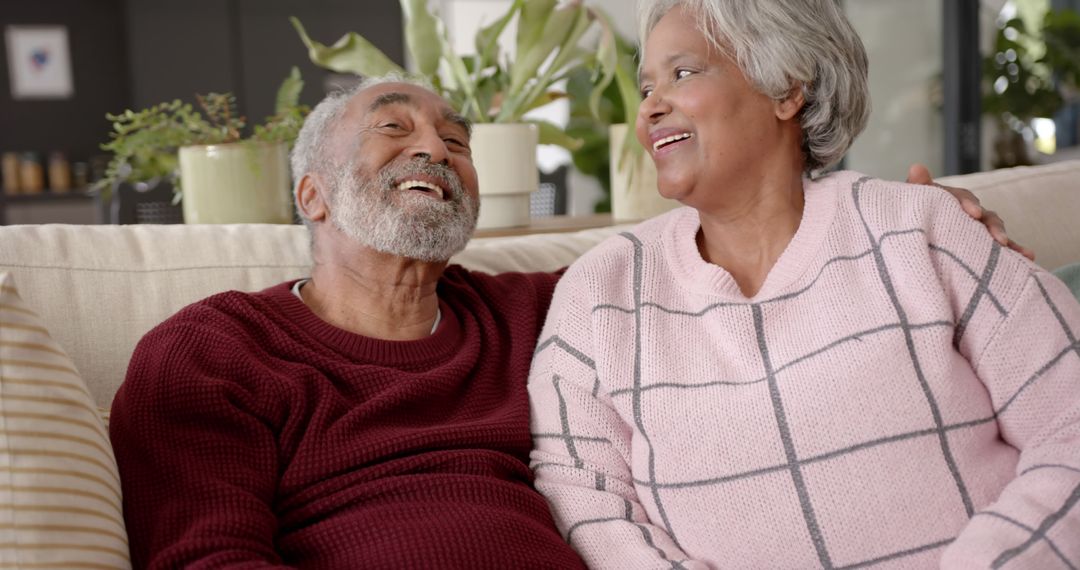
372, 416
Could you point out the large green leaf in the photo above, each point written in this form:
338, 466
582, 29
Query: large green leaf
626, 80
460, 80
487, 39
541, 32
421, 29
568, 24
552, 134
607, 59
288, 95
350, 54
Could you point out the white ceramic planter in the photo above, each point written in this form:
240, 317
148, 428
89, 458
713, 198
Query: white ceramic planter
505, 160
236, 183
634, 195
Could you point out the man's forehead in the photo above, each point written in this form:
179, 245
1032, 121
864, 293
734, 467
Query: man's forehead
386, 95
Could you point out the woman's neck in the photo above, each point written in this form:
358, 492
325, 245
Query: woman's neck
748, 230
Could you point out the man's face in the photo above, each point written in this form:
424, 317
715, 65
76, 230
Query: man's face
403, 181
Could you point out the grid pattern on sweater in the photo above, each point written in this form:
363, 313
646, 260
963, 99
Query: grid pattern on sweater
982, 296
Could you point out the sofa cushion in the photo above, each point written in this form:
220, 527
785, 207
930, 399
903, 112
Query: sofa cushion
1038, 203
60, 504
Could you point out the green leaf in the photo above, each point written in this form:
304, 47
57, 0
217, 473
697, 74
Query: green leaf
541, 30
573, 21
421, 27
607, 59
350, 54
552, 134
532, 22
460, 79
487, 39
288, 95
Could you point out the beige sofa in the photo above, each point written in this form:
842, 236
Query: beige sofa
97, 289
100, 288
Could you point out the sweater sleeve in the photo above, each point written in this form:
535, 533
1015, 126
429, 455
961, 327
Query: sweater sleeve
198, 464
582, 445
1029, 361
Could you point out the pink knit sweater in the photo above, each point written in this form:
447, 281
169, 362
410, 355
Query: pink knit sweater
901, 393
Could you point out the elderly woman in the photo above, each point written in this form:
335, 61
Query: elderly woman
800, 369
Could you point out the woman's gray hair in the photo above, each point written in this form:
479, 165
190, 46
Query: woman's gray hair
311, 150
780, 44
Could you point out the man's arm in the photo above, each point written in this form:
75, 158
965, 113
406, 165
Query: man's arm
198, 461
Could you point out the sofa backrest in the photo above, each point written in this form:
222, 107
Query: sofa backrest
1040, 206
100, 288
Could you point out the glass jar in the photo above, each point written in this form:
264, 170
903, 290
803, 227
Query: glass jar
31, 174
59, 173
9, 164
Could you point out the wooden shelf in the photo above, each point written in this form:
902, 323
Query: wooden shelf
550, 225
46, 196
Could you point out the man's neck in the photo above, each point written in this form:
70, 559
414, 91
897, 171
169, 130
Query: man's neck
375, 295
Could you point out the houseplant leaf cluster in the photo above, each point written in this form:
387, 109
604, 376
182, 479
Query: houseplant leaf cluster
1020, 85
144, 143
489, 86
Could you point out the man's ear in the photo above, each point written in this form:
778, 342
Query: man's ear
789, 107
311, 197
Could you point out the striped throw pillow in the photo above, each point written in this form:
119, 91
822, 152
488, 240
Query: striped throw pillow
60, 504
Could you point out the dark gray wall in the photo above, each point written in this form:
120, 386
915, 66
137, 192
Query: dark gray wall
99, 70
179, 48
136, 53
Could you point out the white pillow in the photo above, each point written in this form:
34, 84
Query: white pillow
60, 502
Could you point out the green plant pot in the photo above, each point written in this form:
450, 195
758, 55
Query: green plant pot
505, 159
236, 183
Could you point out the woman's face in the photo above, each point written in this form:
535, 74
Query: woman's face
703, 124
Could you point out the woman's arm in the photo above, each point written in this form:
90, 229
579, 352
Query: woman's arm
582, 446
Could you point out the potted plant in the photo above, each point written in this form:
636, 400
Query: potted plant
220, 174
490, 89
1020, 87
611, 152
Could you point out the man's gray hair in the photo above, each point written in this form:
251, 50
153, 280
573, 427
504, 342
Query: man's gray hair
311, 151
780, 44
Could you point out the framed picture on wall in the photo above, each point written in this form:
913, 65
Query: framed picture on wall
39, 62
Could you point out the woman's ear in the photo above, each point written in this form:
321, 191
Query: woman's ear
789, 107
311, 197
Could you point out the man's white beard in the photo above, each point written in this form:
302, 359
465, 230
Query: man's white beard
403, 222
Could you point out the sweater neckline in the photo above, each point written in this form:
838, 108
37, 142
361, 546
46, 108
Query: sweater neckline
440, 345
700, 276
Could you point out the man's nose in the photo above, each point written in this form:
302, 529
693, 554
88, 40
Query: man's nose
431, 146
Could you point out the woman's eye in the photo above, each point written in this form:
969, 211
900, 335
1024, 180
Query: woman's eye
645, 92
681, 73
391, 126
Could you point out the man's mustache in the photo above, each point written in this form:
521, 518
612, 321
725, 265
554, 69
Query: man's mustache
447, 177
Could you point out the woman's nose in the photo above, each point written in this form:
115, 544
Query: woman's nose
653, 107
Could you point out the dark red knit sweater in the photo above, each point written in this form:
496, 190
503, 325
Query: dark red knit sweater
251, 433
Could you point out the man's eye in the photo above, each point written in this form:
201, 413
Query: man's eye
681, 73
391, 126
645, 91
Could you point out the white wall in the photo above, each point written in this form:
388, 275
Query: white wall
904, 44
